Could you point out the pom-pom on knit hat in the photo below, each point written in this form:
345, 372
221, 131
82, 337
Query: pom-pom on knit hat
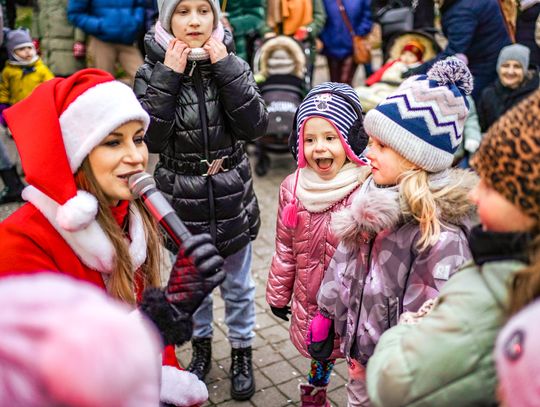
423, 119
66, 343
508, 158
516, 355
166, 9
58, 125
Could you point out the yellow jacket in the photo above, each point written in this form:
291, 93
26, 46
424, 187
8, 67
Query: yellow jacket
16, 85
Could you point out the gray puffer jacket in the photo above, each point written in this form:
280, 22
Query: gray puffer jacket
204, 114
377, 271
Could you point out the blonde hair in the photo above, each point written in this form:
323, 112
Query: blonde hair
421, 202
121, 284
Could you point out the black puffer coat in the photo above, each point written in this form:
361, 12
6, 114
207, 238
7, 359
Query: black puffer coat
204, 116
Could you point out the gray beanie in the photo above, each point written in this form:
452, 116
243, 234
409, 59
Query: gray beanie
514, 52
166, 9
17, 39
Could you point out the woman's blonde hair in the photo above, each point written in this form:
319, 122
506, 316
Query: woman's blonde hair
421, 202
122, 282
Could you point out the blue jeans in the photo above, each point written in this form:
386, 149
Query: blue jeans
5, 162
238, 292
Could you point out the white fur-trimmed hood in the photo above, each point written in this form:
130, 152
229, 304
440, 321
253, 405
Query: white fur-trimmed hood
375, 209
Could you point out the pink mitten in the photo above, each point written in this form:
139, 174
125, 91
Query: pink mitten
320, 337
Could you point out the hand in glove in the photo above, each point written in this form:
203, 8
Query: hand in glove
281, 312
196, 272
320, 337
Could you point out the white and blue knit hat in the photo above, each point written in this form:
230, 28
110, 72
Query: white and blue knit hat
423, 119
326, 101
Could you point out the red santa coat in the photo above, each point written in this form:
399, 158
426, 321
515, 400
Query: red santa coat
30, 243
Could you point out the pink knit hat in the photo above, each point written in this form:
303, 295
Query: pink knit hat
64, 342
517, 354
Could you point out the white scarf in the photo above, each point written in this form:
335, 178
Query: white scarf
319, 195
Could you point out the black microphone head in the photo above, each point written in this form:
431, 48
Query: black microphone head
140, 183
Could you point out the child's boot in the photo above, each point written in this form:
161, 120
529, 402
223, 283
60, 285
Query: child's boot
13, 186
312, 396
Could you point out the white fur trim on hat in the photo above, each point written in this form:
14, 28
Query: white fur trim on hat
96, 113
181, 388
78, 212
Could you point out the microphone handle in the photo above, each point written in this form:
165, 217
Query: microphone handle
162, 211
175, 228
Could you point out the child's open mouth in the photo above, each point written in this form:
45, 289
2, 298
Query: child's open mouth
324, 163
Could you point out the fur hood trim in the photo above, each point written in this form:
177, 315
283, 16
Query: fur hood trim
291, 46
375, 209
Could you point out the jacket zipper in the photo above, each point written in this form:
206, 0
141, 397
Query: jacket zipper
197, 81
368, 263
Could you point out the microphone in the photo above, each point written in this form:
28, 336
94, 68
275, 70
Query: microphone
143, 186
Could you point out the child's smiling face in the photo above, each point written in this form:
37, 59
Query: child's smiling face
192, 22
496, 213
323, 150
386, 164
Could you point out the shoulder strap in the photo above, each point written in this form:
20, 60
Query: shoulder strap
345, 17
224, 6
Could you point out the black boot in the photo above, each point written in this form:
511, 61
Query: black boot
242, 380
201, 360
13, 186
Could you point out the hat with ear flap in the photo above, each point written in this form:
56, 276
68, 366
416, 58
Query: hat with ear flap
339, 104
68, 118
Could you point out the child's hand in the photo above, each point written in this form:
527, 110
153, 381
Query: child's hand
216, 49
356, 370
176, 55
281, 312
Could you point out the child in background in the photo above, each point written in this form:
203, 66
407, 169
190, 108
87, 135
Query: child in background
204, 105
327, 140
24, 70
386, 79
447, 359
405, 232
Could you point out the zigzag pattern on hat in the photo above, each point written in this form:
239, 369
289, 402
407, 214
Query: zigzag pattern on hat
442, 113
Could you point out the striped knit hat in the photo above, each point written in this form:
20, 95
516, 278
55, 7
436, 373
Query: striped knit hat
423, 119
325, 101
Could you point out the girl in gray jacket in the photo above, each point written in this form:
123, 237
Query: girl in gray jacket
405, 232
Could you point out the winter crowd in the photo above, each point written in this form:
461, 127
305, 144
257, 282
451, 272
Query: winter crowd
407, 238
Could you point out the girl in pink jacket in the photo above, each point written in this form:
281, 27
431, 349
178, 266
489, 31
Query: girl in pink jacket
327, 141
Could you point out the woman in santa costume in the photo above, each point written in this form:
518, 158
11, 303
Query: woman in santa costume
79, 140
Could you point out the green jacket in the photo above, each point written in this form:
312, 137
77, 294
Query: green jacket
246, 17
447, 359
57, 37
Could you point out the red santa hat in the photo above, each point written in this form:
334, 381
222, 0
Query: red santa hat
58, 125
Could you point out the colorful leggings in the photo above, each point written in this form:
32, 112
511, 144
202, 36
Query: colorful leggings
319, 374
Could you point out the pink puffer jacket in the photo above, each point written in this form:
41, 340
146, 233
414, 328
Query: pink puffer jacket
301, 258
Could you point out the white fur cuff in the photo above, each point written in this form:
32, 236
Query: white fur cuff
181, 388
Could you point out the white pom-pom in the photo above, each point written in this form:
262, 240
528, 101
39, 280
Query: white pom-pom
452, 71
78, 212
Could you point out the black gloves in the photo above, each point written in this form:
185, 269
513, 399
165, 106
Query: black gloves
281, 312
196, 272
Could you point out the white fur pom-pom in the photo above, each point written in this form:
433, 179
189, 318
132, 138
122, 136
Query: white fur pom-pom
78, 212
452, 71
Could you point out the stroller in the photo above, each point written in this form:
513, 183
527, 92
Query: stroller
282, 72
385, 80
